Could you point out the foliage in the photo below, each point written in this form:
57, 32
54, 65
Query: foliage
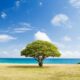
40, 49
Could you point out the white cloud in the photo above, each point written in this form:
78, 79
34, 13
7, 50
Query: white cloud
24, 24
12, 51
67, 38
5, 52
10, 54
18, 28
5, 37
17, 3
21, 29
70, 54
40, 3
60, 19
42, 36
75, 3
3, 15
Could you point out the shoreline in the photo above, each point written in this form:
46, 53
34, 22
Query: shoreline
12, 64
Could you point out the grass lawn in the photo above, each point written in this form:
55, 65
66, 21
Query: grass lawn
33, 72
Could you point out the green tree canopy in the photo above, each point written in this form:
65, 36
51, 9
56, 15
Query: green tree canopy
40, 49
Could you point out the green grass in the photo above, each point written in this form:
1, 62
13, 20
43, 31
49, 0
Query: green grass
55, 72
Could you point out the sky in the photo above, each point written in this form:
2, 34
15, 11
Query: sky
24, 21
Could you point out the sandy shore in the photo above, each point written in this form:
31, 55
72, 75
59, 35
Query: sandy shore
33, 72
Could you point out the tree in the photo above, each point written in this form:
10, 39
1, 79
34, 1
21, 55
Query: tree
40, 50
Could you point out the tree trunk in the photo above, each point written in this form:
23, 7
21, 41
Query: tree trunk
40, 61
40, 64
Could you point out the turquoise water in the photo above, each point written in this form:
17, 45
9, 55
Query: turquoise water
33, 61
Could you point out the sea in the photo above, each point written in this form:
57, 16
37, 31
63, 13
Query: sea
45, 61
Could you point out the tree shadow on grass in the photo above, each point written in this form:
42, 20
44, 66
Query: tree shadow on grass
26, 66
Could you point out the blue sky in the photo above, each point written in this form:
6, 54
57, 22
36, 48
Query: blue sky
56, 21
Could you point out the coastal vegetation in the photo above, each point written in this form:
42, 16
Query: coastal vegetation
40, 50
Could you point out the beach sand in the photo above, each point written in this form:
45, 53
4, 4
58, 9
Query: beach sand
33, 72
